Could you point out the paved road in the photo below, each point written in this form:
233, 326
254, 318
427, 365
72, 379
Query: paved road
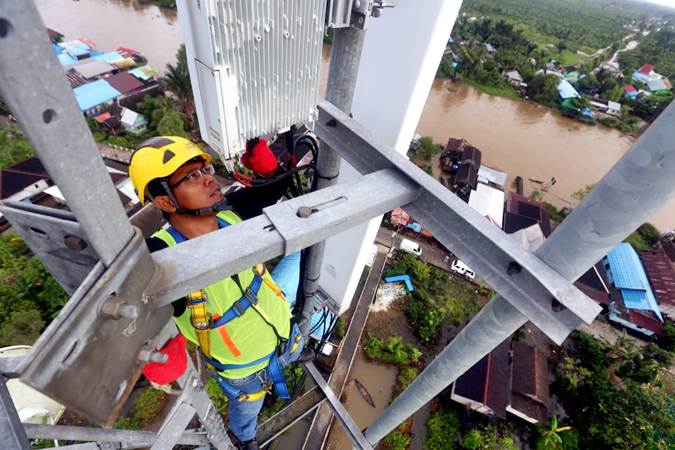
430, 253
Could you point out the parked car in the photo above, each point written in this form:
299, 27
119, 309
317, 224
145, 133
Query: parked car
409, 246
460, 268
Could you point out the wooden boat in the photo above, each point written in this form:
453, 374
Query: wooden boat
364, 393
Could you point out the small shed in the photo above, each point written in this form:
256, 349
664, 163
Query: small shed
133, 122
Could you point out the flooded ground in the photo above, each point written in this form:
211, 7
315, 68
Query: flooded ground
151, 30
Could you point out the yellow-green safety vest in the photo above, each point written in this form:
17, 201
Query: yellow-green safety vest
246, 338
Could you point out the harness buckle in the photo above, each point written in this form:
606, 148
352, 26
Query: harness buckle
239, 310
201, 325
251, 296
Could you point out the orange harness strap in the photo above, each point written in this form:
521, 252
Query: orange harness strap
226, 338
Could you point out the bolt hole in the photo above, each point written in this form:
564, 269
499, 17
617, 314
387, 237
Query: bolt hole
6, 28
48, 115
38, 232
120, 392
70, 352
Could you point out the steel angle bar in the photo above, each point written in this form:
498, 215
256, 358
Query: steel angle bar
199, 262
358, 439
71, 433
98, 336
520, 276
56, 238
45, 107
289, 416
12, 434
174, 424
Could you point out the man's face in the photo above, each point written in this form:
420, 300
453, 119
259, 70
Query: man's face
192, 191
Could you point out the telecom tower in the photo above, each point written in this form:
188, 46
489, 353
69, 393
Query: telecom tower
254, 66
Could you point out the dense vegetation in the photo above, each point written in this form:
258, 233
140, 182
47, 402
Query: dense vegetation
613, 395
567, 24
29, 296
14, 147
437, 298
658, 48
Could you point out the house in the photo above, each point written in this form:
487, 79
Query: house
513, 380
566, 90
23, 180
630, 91
660, 86
522, 212
466, 177
609, 107
489, 202
514, 78
133, 122
631, 292
91, 96
125, 83
492, 177
661, 275
93, 68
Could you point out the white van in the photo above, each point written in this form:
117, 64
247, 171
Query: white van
409, 246
460, 268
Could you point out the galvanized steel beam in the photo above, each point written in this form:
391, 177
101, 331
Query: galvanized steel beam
522, 278
44, 104
282, 229
637, 186
12, 434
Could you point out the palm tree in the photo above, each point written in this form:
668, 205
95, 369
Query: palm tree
178, 80
549, 438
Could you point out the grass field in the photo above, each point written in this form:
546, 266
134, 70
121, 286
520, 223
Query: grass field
505, 91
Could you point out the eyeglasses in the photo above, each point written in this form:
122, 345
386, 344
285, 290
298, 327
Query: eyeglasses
196, 175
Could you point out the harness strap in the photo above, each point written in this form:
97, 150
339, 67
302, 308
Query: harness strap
200, 319
221, 367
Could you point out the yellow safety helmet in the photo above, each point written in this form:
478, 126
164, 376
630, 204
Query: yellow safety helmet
158, 158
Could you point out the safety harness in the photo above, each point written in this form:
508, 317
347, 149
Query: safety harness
202, 322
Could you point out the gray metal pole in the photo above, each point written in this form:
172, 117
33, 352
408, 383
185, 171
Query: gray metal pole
345, 56
12, 434
637, 186
45, 106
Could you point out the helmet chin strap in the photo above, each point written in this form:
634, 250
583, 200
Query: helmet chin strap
222, 205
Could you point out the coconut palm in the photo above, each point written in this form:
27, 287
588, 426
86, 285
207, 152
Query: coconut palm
178, 81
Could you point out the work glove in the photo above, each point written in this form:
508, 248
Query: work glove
259, 158
174, 367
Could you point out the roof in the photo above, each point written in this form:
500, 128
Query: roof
566, 90
488, 202
530, 372
489, 175
126, 52
669, 248
65, 59
629, 88
646, 69
471, 155
75, 79
629, 277
658, 85
599, 296
124, 82
109, 57
614, 105
76, 48
641, 77
661, 275
94, 93
455, 144
644, 321
522, 212
144, 73
467, 174
15, 178
93, 67
514, 75
487, 381
399, 217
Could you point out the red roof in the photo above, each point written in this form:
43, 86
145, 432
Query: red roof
661, 275
126, 52
645, 321
102, 117
629, 88
646, 69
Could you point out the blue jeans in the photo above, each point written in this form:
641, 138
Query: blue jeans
243, 415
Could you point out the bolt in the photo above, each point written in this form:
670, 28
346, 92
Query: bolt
513, 268
149, 355
75, 243
116, 308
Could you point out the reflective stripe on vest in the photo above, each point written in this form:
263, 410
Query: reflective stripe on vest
248, 338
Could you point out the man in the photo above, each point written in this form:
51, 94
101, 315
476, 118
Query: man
242, 324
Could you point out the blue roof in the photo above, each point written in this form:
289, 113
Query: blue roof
77, 48
641, 77
65, 59
94, 93
57, 48
629, 276
566, 90
109, 57
404, 278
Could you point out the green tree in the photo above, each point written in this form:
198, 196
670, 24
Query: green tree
21, 327
473, 440
178, 81
172, 124
549, 436
426, 148
442, 429
14, 147
544, 89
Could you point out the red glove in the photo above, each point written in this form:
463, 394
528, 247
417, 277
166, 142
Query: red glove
165, 373
259, 158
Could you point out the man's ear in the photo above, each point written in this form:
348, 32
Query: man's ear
164, 203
